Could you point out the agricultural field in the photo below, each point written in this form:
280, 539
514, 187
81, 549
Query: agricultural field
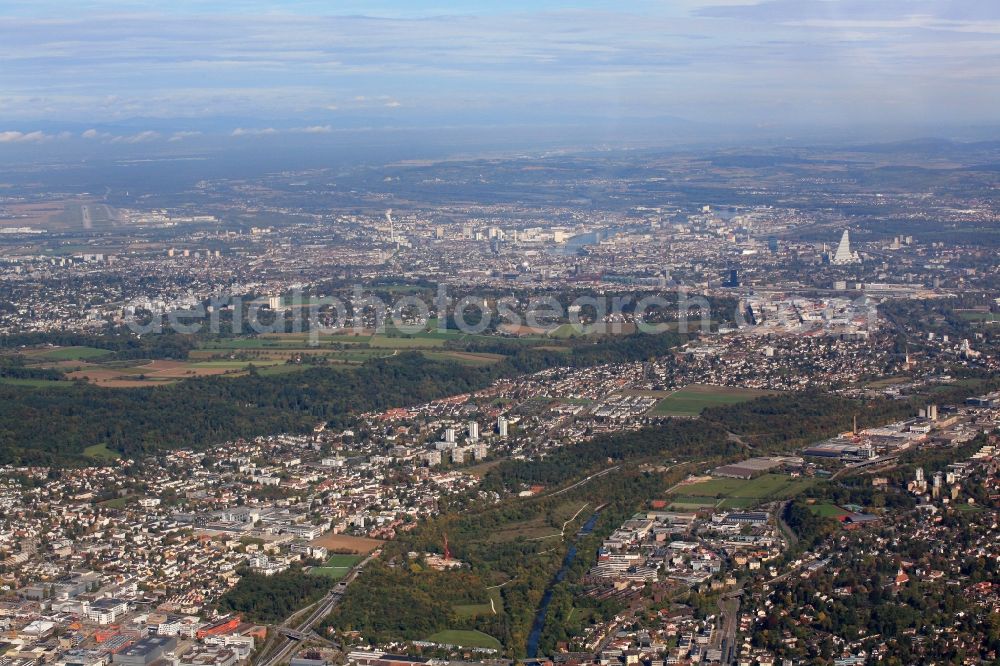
123, 374
689, 503
269, 355
65, 353
466, 358
691, 400
283, 369
428, 342
469, 639
344, 348
342, 542
33, 383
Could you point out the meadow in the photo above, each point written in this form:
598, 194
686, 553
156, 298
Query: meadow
691, 400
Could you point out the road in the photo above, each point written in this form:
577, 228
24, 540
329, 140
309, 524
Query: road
586, 480
809, 560
787, 533
287, 637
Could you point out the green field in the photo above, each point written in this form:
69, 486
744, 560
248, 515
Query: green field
416, 342
337, 566
70, 353
737, 503
346, 561
537, 528
715, 488
118, 502
34, 383
251, 343
466, 358
101, 452
466, 611
472, 639
766, 487
696, 501
991, 317
691, 400
234, 365
827, 510
283, 369
567, 331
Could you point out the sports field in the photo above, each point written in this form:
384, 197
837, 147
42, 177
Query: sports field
472, 639
337, 566
766, 487
691, 400
828, 510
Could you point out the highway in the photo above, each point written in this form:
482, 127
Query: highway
287, 637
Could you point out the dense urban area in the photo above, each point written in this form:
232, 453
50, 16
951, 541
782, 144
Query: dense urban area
617, 408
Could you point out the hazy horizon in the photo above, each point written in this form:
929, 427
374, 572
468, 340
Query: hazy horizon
121, 78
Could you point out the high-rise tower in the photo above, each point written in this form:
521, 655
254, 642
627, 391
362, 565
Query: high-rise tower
844, 255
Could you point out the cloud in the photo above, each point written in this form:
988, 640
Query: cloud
180, 136
523, 61
12, 136
884, 13
141, 137
92, 134
270, 131
242, 131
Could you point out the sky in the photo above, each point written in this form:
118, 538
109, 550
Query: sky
178, 72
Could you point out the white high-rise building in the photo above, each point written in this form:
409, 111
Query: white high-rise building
473, 431
449, 435
502, 426
844, 256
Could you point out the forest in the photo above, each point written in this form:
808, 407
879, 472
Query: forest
53, 425
273, 598
679, 439
50, 426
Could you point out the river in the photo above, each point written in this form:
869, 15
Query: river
543, 609
573, 245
